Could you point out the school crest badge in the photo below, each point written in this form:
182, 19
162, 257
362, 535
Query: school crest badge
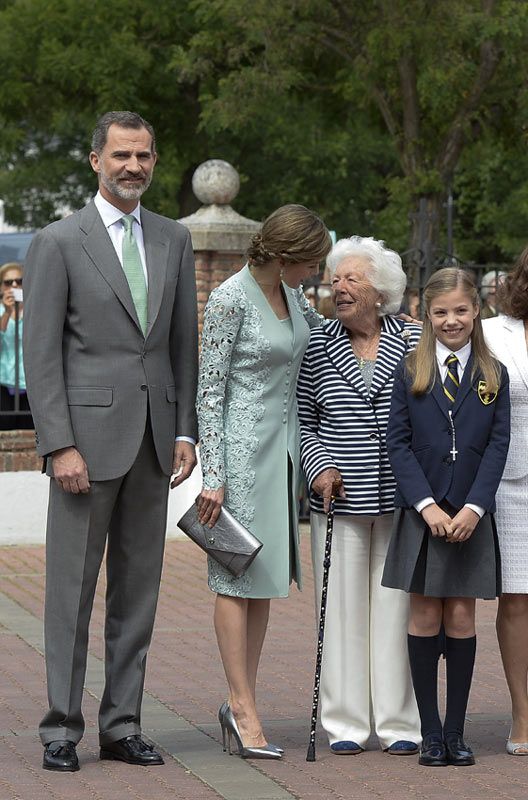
483, 394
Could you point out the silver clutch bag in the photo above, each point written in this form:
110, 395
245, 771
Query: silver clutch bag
228, 542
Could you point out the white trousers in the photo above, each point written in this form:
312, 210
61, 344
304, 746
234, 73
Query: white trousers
366, 680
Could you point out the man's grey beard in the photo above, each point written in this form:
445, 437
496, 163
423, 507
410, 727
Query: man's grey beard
114, 186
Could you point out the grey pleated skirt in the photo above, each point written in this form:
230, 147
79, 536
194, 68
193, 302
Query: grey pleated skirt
429, 565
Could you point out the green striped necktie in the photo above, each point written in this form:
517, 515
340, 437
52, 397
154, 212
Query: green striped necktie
451, 382
133, 270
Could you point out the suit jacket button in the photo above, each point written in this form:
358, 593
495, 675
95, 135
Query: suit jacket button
143, 387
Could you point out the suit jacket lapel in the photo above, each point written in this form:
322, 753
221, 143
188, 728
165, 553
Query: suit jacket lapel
515, 341
99, 248
342, 357
439, 395
255, 294
156, 253
391, 350
466, 385
293, 308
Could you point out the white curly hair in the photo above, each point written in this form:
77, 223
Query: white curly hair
386, 274
491, 280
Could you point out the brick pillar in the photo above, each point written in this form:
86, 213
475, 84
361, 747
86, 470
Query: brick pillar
17, 452
220, 236
212, 268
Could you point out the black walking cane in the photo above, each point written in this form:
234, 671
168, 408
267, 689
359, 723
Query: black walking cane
310, 755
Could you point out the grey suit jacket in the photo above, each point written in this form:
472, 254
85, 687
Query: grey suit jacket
92, 376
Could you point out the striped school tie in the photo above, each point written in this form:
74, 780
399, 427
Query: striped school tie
133, 270
451, 382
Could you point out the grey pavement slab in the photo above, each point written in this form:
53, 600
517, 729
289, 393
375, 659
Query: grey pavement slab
185, 685
232, 779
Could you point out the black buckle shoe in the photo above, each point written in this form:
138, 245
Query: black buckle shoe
60, 756
459, 754
131, 750
432, 752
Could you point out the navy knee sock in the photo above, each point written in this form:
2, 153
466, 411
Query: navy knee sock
423, 658
460, 660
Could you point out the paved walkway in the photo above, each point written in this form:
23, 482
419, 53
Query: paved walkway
185, 685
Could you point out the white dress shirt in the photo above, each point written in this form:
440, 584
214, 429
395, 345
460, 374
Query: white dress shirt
112, 217
442, 354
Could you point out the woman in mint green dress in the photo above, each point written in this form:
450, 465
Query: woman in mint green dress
256, 329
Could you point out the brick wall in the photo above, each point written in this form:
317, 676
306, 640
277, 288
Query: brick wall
212, 268
17, 451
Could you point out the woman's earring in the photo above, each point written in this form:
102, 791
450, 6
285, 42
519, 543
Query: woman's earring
377, 304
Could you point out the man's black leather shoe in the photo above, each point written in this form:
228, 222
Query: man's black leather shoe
132, 750
60, 756
432, 752
459, 754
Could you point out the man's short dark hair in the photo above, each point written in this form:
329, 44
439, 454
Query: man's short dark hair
125, 119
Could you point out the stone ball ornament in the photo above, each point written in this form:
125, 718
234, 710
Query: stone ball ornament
216, 182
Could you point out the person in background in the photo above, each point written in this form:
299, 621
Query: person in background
344, 391
507, 335
412, 302
11, 314
256, 329
488, 293
311, 296
326, 307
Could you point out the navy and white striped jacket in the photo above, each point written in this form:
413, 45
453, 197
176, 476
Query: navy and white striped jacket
344, 426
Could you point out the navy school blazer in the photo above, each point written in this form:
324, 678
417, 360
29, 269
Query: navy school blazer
420, 441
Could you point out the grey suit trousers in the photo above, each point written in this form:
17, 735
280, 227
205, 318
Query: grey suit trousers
127, 514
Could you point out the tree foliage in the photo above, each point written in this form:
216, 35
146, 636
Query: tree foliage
356, 108
64, 62
432, 80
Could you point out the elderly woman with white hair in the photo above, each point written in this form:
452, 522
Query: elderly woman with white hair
344, 393
488, 292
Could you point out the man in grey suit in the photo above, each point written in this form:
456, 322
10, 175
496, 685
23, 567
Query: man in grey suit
110, 346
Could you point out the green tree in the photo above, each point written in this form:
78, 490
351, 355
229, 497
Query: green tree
66, 61
356, 108
433, 73
63, 63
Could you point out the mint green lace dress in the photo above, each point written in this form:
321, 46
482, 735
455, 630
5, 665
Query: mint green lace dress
247, 415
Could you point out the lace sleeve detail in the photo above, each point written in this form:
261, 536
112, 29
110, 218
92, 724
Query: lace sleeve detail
311, 315
222, 319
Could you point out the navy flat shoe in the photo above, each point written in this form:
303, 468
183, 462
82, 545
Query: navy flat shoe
346, 748
459, 754
433, 752
402, 748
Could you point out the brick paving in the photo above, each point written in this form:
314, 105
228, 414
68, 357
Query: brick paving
185, 685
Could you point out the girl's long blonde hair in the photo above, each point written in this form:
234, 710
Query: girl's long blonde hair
421, 363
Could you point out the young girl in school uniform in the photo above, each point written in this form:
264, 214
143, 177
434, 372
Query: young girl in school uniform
447, 439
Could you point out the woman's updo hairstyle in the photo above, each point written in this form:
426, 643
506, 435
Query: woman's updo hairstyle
292, 233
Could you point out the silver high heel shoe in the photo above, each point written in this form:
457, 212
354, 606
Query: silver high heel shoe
221, 711
230, 728
516, 748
